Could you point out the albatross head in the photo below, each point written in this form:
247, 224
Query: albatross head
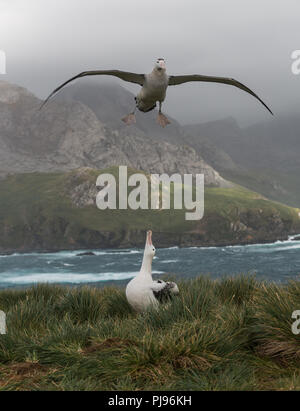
149, 247
160, 64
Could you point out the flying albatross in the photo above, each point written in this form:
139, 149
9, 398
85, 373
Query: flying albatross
142, 291
154, 87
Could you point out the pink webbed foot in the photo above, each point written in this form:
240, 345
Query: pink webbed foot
162, 120
130, 119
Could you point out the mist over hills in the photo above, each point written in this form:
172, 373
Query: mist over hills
276, 140
264, 157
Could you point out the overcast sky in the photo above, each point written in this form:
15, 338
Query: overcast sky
48, 41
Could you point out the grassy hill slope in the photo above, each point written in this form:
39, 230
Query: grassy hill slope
57, 211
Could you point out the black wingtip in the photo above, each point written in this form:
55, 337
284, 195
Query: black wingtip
42, 105
269, 110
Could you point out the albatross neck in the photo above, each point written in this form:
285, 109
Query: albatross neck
146, 268
159, 73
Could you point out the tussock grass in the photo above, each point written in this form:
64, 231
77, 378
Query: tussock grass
231, 334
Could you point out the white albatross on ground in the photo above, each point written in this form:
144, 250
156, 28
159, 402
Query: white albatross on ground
154, 87
142, 292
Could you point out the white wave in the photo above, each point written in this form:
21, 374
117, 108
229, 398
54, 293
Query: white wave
119, 252
283, 246
71, 254
168, 261
12, 255
66, 278
202, 248
75, 278
243, 246
288, 247
292, 237
266, 245
60, 254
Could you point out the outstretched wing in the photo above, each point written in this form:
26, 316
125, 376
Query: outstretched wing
123, 75
175, 80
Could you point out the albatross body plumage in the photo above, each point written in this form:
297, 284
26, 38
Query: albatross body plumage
142, 292
154, 88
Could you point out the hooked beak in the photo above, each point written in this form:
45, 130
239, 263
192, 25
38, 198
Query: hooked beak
149, 237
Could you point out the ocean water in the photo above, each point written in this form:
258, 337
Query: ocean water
278, 262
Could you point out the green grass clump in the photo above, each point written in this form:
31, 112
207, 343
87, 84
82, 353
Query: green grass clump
230, 334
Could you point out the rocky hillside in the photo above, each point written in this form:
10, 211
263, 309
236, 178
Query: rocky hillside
68, 134
54, 211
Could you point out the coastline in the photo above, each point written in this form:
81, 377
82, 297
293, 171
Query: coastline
107, 267
292, 236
